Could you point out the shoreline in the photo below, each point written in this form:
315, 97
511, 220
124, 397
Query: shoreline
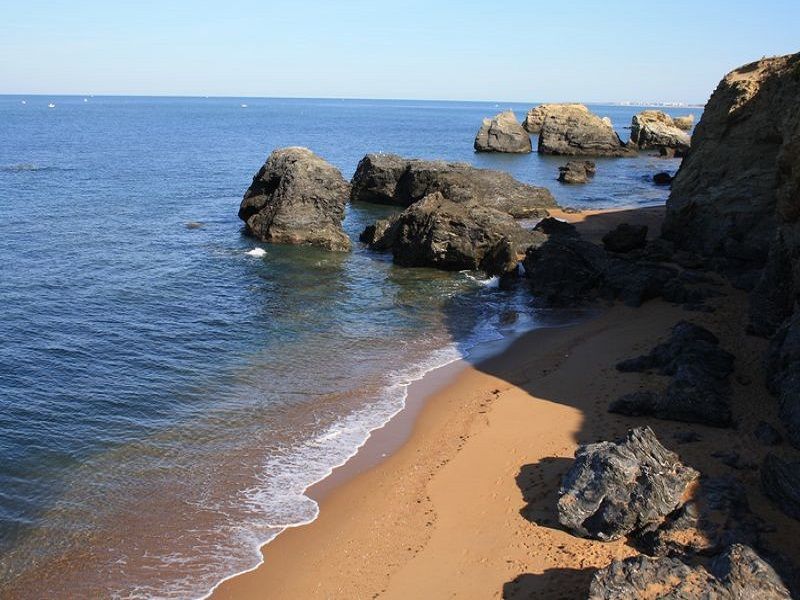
386, 441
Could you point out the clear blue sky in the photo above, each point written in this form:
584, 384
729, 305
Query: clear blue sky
513, 50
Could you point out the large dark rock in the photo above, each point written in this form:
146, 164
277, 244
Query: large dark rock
436, 232
654, 129
739, 573
616, 488
390, 179
566, 270
625, 237
783, 373
741, 178
576, 171
297, 198
780, 480
698, 391
502, 133
574, 131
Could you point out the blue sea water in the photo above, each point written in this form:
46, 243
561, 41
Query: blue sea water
166, 393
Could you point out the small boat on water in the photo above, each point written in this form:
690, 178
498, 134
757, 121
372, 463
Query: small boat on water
244, 105
51, 105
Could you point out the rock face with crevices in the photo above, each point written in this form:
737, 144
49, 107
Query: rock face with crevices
572, 131
436, 232
654, 129
783, 375
741, 180
503, 133
391, 179
297, 198
616, 488
739, 573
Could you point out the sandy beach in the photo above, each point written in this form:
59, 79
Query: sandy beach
465, 508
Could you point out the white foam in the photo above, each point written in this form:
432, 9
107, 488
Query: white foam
256, 252
315, 460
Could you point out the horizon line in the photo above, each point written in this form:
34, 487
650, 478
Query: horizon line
659, 103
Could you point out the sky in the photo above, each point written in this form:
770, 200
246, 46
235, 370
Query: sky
580, 50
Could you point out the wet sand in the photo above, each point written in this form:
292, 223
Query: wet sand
455, 498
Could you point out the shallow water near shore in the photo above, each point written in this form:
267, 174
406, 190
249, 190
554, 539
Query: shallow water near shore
168, 387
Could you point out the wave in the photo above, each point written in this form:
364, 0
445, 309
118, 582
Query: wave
28, 168
316, 459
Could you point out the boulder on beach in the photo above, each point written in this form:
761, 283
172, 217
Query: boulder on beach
391, 179
780, 480
739, 573
616, 488
698, 391
572, 131
654, 129
436, 232
625, 238
577, 171
297, 198
503, 133
535, 117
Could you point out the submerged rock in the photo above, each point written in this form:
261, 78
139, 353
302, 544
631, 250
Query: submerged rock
503, 133
662, 178
571, 131
535, 117
297, 198
436, 232
577, 171
616, 488
625, 238
739, 573
653, 129
391, 179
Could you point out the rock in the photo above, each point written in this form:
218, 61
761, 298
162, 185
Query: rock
535, 117
571, 131
767, 434
625, 237
737, 574
503, 133
436, 232
576, 171
716, 515
780, 481
616, 488
390, 179
741, 179
662, 178
653, 129
297, 198
685, 123
553, 226
699, 389
783, 376
566, 270
773, 298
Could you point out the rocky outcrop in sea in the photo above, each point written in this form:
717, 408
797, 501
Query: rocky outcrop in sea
656, 130
297, 198
572, 130
502, 133
394, 180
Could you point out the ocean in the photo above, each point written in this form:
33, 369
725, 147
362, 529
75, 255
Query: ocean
169, 388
